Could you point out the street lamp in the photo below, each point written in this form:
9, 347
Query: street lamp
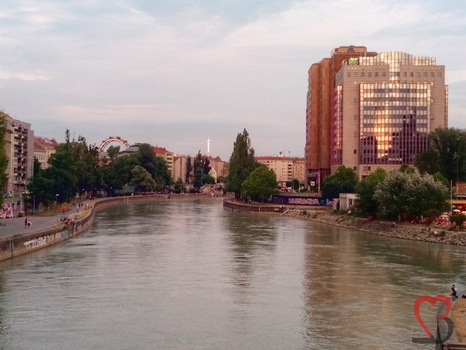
56, 201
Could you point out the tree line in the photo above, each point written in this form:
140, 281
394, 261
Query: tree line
408, 192
247, 178
402, 194
77, 169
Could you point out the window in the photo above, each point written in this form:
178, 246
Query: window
355, 151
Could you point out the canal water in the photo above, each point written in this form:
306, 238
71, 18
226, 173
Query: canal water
187, 274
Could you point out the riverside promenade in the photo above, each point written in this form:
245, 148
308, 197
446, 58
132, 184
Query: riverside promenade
17, 239
15, 226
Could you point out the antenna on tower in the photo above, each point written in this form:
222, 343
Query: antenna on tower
208, 147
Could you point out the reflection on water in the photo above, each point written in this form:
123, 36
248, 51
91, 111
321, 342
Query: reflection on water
186, 274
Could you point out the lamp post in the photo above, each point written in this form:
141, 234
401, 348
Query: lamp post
56, 201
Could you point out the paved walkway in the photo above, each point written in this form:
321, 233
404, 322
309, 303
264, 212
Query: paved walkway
15, 226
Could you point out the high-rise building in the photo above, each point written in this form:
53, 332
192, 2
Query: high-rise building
321, 80
380, 110
384, 107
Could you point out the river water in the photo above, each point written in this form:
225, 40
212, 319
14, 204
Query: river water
187, 274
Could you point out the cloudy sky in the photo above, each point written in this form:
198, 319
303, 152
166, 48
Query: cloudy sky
175, 72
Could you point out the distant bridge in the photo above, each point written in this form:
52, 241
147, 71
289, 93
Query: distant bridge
111, 139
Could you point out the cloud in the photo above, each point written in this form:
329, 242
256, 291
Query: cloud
142, 66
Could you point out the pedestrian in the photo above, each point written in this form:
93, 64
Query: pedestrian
25, 222
453, 294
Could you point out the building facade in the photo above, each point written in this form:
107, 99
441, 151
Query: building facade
285, 168
367, 110
383, 109
19, 148
43, 149
180, 168
168, 156
321, 84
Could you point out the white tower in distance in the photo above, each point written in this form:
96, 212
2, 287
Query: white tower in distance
208, 147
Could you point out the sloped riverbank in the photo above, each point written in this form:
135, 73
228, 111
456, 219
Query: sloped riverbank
415, 232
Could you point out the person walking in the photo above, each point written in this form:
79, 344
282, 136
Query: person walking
25, 222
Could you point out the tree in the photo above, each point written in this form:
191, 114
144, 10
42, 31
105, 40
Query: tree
189, 169
295, 184
409, 195
3, 159
458, 220
260, 183
141, 179
344, 180
366, 189
179, 186
207, 179
118, 173
113, 152
242, 163
201, 169
42, 189
63, 173
156, 166
446, 154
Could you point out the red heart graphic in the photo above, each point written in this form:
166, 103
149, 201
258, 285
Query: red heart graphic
431, 300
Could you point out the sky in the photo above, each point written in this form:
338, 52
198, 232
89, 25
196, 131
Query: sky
174, 73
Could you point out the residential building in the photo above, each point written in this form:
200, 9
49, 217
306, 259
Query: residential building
43, 149
168, 156
20, 152
219, 167
179, 168
285, 168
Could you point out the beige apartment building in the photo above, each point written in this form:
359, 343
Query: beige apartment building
168, 156
285, 168
383, 109
43, 149
179, 167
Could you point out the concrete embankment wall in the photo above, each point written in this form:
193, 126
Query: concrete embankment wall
27, 243
264, 207
238, 206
